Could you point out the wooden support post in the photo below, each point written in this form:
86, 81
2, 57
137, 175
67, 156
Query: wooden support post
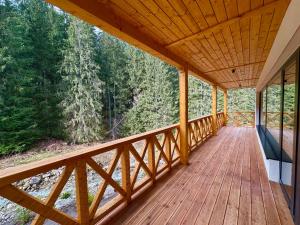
183, 109
125, 160
214, 109
82, 193
225, 107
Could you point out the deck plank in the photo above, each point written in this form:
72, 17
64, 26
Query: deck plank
282, 207
225, 183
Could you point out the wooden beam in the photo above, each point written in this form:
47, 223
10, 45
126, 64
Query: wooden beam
233, 67
234, 81
225, 107
220, 26
183, 109
100, 14
214, 109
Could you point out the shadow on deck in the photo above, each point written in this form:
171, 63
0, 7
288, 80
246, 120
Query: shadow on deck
225, 183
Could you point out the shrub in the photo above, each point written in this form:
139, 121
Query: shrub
23, 216
90, 198
65, 195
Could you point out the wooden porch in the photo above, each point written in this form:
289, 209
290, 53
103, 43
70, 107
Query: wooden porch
225, 183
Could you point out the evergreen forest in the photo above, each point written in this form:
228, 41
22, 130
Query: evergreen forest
61, 78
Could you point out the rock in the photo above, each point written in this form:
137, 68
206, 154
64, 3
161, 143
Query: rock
35, 180
26, 186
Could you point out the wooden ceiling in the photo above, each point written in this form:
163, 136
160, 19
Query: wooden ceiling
212, 37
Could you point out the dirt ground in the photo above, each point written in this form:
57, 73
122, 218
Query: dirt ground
43, 150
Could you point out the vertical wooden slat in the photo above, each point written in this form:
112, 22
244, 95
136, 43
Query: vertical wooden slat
168, 149
125, 160
225, 107
151, 158
82, 193
183, 109
214, 109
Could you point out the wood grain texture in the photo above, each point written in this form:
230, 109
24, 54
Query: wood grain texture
225, 183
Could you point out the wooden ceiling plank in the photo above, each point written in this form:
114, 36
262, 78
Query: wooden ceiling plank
223, 47
245, 35
215, 47
276, 21
202, 50
142, 9
256, 4
226, 32
171, 13
126, 11
207, 12
231, 8
182, 12
219, 9
209, 52
243, 6
263, 33
200, 53
227, 23
196, 13
254, 33
237, 40
162, 16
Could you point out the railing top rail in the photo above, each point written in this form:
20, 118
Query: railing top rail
199, 118
23, 171
241, 112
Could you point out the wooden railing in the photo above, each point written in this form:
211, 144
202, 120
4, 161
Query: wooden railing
239, 119
273, 119
154, 152
220, 120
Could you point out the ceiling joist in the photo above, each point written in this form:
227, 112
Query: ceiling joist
233, 67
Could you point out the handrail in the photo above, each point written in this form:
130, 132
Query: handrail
161, 146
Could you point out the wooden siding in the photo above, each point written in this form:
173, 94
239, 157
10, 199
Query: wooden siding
225, 183
212, 37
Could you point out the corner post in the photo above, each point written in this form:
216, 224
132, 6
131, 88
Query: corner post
225, 107
214, 109
183, 113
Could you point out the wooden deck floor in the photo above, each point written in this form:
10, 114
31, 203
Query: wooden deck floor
225, 183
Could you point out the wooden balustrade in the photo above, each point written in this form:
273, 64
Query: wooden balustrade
154, 153
273, 119
239, 119
220, 120
248, 119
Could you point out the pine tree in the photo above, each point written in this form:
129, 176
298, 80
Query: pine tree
82, 105
18, 127
199, 97
154, 100
117, 91
46, 34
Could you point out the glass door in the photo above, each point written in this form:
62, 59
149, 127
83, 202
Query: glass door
288, 150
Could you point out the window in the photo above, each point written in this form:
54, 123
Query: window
263, 108
274, 107
288, 128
